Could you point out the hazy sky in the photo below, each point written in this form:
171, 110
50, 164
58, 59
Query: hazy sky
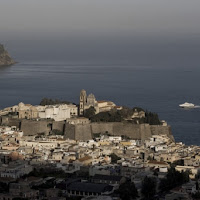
63, 18
115, 31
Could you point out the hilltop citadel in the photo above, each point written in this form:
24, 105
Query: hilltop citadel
92, 151
69, 119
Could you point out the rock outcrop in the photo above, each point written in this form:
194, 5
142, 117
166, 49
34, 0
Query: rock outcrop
5, 58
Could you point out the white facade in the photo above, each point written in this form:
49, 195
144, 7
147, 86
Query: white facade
57, 112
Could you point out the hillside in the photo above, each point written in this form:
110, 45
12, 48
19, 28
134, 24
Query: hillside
5, 58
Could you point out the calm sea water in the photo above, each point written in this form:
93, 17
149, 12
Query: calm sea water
158, 89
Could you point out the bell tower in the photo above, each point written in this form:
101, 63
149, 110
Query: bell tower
83, 97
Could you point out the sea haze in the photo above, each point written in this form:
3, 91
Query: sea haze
155, 75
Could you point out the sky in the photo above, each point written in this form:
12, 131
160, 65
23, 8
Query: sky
104, 18
113, 29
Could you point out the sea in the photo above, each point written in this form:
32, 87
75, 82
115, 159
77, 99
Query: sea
53, 72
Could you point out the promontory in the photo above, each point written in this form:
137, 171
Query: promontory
5, 58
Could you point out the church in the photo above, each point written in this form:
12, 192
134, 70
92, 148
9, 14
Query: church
90, 101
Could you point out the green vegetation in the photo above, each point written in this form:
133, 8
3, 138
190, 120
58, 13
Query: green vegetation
138, 109
196, 196
125, 114
46, 101
114, 158
88, 113
127, 191
47, 172
178, 162
149, 187
151, 118
174, 178
107, 117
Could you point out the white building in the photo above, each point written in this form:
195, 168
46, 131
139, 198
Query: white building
57, 112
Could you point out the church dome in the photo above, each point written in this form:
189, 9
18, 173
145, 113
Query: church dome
21, 105
91, 96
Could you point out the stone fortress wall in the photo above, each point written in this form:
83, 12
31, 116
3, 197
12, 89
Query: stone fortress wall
133, 131
85, 132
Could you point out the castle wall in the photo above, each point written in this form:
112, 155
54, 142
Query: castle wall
134, 131
58, 126
83, 132
7, 121
145, 130
126, 129
14, 122
102, 127
30, 127
158, 130
69, 131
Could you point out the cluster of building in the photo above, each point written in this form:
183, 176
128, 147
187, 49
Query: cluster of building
60, 112
51, 166
90, 168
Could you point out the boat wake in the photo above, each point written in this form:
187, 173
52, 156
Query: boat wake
197, 106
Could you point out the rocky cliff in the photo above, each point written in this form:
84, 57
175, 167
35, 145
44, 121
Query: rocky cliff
5, 58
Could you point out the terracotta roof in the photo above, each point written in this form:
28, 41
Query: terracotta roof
28, 105
118, 106
85, 158
103, 101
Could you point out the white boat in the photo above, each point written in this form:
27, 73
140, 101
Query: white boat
187, 105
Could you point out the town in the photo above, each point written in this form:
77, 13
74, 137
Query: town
94, 150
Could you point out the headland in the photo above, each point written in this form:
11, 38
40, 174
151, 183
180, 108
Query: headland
5, 58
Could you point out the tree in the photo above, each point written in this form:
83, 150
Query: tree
88, 113
196, 195
107, 117
152, 118
138, 109
127, 191
114, 158
173, 179
46, 101
126, 112
149, 187
178, 162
